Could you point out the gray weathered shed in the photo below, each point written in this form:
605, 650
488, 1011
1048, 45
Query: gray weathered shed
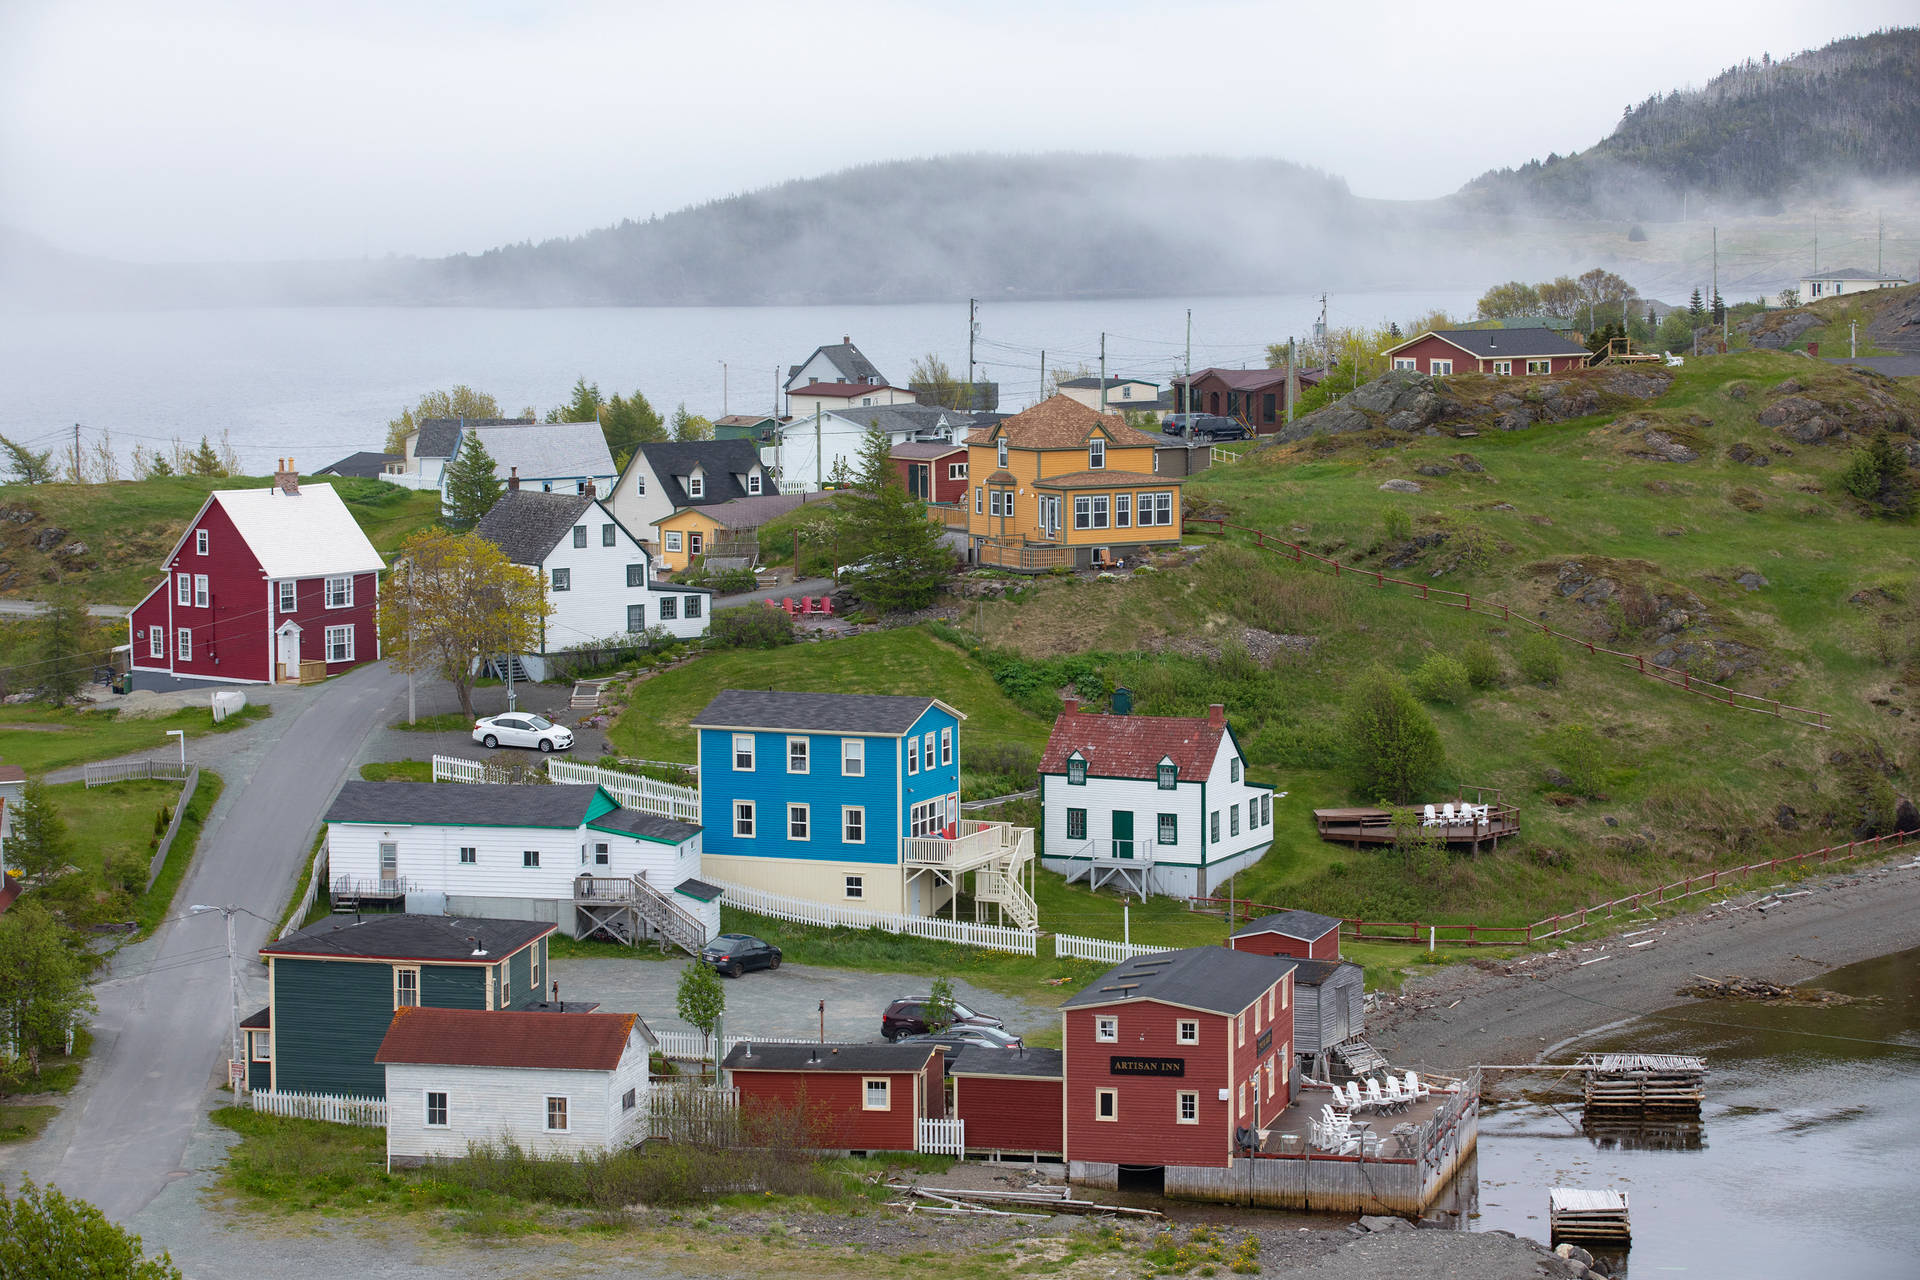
1329, 1004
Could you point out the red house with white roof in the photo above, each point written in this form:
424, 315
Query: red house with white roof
263, 583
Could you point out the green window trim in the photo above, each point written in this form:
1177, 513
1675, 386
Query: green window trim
1169, 776
1076, 824
1168, 828
1076, 773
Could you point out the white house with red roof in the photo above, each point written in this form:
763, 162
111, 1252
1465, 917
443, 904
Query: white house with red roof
263, 584
1150, 804
834, 397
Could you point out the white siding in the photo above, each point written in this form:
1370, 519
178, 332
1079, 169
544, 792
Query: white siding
500, 1104
638, 499
429, 857
839, 438
1221, 794
594, 605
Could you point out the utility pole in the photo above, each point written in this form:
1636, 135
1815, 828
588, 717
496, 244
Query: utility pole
411, 605
1290, 383
1043, 373
973, 331
1715, 300
1880, 247
1103, 382
1816, 243
819, 481
723, 388
76, 453
1853, 343
233, 987
1186, 398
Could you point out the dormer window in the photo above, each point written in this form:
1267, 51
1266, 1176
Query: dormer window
753, 483
1169, 773
1096, 454
1076, 770
696, 486
1003, 454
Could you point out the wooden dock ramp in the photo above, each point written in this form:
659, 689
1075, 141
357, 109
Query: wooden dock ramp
1581, 1214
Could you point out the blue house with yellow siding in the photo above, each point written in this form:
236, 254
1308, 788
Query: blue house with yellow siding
851, 800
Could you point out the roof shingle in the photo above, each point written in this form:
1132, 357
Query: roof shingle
1061, 422
1210, 978
720, 461
496, 804
410, 937
830, 1057
510, 1038
1308, 926
527, 524
875, 713
1133, 746
1504, 344
548, 450
1103, 479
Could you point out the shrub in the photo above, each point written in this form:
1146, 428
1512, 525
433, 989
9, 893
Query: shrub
1581, 755
1397, 524
1442, 679
1390, 744
1877, 476
752, 627
1482, 662
1540, 658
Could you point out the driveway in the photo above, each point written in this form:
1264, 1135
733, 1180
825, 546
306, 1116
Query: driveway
161, 1032
781, 1002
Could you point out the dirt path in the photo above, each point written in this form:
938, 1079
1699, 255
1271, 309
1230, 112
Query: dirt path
1514, 1013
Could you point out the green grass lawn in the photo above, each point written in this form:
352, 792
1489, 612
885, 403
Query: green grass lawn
397, 771
445, 723
903, 661
59, 1072
40, 738
112, 833
24, 1123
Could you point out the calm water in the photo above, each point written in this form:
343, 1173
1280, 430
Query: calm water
1807, 1161
322, 382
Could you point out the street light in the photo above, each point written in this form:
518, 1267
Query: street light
233, 981
182, 735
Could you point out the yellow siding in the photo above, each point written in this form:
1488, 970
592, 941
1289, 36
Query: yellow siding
687, 522
1028, 464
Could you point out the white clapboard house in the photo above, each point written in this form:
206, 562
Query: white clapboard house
599, 578
567, 855
552, 1084
1150, 804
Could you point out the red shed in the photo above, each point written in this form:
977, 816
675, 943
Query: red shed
1502, 352
932, 470
1303, 935
1169, 1055
1010, 1101
868, 1097
262, 581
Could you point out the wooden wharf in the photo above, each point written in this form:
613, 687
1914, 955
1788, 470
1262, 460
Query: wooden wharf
1668, 1083
1583, 1214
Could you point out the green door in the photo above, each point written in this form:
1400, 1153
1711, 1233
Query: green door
1122, 833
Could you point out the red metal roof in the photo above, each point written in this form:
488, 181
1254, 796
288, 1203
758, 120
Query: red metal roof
840, 390
507, 1038
1133, 746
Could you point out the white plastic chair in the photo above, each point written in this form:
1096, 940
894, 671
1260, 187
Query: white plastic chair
1415, 1088
1354, 1101
1430, 819
1482, 812
1375, 1096
1446, 815
1396, 1097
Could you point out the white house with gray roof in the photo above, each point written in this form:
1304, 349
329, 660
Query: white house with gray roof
672, 475
1829, 284
598, 576
806, 450
430, 446
836, 362
515, 852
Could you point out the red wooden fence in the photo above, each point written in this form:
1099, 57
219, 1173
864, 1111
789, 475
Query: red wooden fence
1466, 600
1514, 935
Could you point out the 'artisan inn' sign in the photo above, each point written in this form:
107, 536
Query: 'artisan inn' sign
1147, 1066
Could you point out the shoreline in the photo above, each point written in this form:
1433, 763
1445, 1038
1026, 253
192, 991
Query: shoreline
1523, 1010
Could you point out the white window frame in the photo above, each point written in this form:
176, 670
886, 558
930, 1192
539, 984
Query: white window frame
202, 591
289, 595
183, 596
753, 483
673, 539
696, 542
867, 1084
854, 887
183, 645
802, 747
1503, 368
1545, 367
744, 809
1186, 1106
1156, 462
1440, 368
335, 634
561, 1111
751, 752
261, 1046
200, 542
853, 757
426, 1117
602, 853
1001, 456
406, 970
853, 824
1187, 1031
956, 471
926, 752
913, 755
1108, 1101
946, 745
978, 499
156, 642
1106, 1028
804, 825
1096, 454
340, 592
1123, 511
1406, 362
696, 486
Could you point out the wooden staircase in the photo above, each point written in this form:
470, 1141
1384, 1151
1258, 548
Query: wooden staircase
616, 909
1003, 889
671, 921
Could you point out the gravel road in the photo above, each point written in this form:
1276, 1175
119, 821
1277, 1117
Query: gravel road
1515, 1013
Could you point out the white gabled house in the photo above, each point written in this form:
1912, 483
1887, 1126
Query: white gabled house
1150, 804
598, 576
553, 1084
562, 854
672, 475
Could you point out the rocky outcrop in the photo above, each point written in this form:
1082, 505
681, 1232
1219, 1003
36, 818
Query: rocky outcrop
1778, 330
1653, 439
1816, 414
1399, 486
1683, 632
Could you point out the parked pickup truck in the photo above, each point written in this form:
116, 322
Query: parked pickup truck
1203, 426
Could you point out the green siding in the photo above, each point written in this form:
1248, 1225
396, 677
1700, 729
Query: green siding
452, 986
330, 1016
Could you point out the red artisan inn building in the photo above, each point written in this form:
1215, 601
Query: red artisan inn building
1501, 352
1167, 1057
264, 584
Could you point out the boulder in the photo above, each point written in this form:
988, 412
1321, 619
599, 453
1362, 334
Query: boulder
1514, 420
1467, 462
1399, 486
1747, 455
1434, 469
1777, 331
1383, 1223
1638, 384
1395, 390
49, 538
1411, 550
1753, 581
1906, 818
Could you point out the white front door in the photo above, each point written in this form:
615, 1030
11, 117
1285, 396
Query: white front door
290, 649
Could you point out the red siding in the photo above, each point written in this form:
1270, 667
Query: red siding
835, 1098
232, 634
1147, 1129
1425, 351
1263, 408
943, 489
1275, 944
1009, 1113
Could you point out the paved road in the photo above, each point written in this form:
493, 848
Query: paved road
161, 1030
793, 590
30, 608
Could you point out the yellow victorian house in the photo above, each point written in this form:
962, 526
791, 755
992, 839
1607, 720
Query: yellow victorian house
1065, 485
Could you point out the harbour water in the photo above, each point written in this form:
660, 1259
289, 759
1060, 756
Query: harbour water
319, 383
1806, 1161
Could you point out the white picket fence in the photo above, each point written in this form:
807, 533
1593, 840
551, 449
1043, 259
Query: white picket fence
942, 1137
455, 769
171, 769
1067, 946
633, 790
691, 1046
334, 1108
298, 919
826, 915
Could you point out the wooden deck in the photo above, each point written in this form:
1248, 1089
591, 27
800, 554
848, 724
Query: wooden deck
1364, 825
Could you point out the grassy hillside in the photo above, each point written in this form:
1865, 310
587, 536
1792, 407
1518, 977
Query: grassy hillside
127, 527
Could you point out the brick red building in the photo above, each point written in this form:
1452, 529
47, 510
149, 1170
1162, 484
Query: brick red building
1256, 397
1303, 935
1501, 352
866, 1097
261, 581
932, 470
1009, 1100
1168, 1057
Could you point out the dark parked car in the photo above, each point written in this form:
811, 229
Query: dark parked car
965, 1036
735, 953
1204, 426
907, 1017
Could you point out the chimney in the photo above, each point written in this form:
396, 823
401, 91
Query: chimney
1069, 706
513, 480
1217, 713
846, 340
285, 478
589, 491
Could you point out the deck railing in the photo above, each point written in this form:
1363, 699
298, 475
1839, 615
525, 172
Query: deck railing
985, 840
1639, 663
833, 916
632, 790
1026, 557
371, 887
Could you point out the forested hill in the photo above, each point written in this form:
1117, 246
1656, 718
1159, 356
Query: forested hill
1758, 133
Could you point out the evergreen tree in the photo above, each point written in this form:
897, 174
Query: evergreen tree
629, 423
472, 486
1719, 308
1696, 308
24, 465
690, 426
887, 528
65, 646
205, 461
38, 846
584, 405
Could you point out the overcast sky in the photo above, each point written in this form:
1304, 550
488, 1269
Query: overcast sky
196, 129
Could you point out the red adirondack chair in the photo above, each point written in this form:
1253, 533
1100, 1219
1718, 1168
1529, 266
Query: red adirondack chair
809, 605
786, 602
826, 605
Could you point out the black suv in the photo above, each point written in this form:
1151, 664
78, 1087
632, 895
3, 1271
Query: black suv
907, 1016
1204, 426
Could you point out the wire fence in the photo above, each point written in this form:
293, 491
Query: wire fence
1680, 679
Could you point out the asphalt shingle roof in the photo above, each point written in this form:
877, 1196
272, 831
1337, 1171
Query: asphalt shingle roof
844, 356
1106, 479
1061, 422
1313, 973
926, 449
700, 889
898, 419
1239, 379
438, 436
526, 524
1133, 746
547, 451
1092, 382
1508, 344
410, 937
1851, 273
1304, 925
830, 1057
366, 465
1210, 978
814, 712
973, 1060
646, 824
509, 1038
457, 804
720, 462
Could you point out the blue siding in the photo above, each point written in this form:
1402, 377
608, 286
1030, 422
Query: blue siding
823, 790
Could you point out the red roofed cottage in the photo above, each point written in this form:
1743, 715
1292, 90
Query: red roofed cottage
262, 582
1150, 804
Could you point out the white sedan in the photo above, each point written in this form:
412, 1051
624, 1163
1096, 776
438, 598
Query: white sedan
522, 729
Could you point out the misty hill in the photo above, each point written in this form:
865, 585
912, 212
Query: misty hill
1756, 134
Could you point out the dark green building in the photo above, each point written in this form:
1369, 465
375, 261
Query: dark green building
332, 989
